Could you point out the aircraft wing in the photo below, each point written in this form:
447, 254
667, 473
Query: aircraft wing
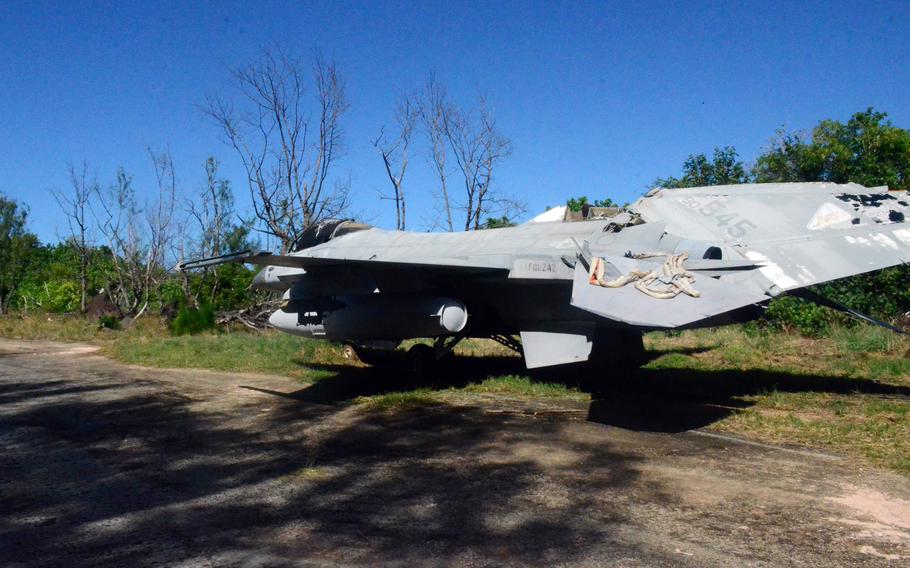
796, 235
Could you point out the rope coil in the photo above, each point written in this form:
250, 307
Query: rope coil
665, 282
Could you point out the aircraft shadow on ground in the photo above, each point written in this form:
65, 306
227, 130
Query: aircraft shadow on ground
142, 475
657, 400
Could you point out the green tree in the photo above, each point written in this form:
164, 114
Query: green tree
577, 203
789, 158
723, 168
867, 149
213, 210
497, 222
16, 246
52, 276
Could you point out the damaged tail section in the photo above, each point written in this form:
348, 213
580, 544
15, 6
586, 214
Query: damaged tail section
772, 238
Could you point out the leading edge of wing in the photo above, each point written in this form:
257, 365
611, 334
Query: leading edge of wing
443, 263
265, 258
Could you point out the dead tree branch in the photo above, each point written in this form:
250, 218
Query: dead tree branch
433, 108
75, 205
287, 155
394, 153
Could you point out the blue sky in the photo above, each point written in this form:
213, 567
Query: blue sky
598, 98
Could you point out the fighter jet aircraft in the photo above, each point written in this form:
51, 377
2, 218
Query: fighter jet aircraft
586, 290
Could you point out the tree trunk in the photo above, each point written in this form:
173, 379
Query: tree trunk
402, 214
448, 208
83, 284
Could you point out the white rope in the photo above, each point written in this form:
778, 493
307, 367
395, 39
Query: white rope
663, 283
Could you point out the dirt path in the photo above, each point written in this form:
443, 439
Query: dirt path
106, 464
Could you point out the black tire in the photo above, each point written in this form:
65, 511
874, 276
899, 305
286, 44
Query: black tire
419, 363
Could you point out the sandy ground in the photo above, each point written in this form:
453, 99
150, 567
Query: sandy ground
107, 464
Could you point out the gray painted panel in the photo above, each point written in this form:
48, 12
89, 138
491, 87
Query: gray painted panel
631, 306
568, 342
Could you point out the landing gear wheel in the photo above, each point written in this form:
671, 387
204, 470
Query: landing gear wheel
419, 362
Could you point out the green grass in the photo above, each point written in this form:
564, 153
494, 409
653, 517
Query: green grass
865, 339
859, 351
524, 386
400, 401
470, 347
73, 328
266, 352
810, 405
859, 425
511, 385
148, 342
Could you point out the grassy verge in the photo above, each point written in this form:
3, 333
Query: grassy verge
266, 352
72, 328
523, 386
402, 400
849, 392
147, 342
509, 385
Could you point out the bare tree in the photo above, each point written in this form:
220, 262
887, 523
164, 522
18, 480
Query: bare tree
394, 153
212, 209
478, 148
181, 249
288, 155
472, 137
138, 239
74, 205
159, 219
116, 216
433, 108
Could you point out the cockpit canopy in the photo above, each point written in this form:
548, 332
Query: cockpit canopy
325, 231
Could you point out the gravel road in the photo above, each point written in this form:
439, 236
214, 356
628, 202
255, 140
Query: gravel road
108, 464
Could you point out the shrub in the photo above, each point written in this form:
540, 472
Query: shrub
193, 320
883, 294
789, 314
171, 292
57, 296
108, 322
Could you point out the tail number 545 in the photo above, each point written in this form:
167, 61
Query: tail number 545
736, 225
